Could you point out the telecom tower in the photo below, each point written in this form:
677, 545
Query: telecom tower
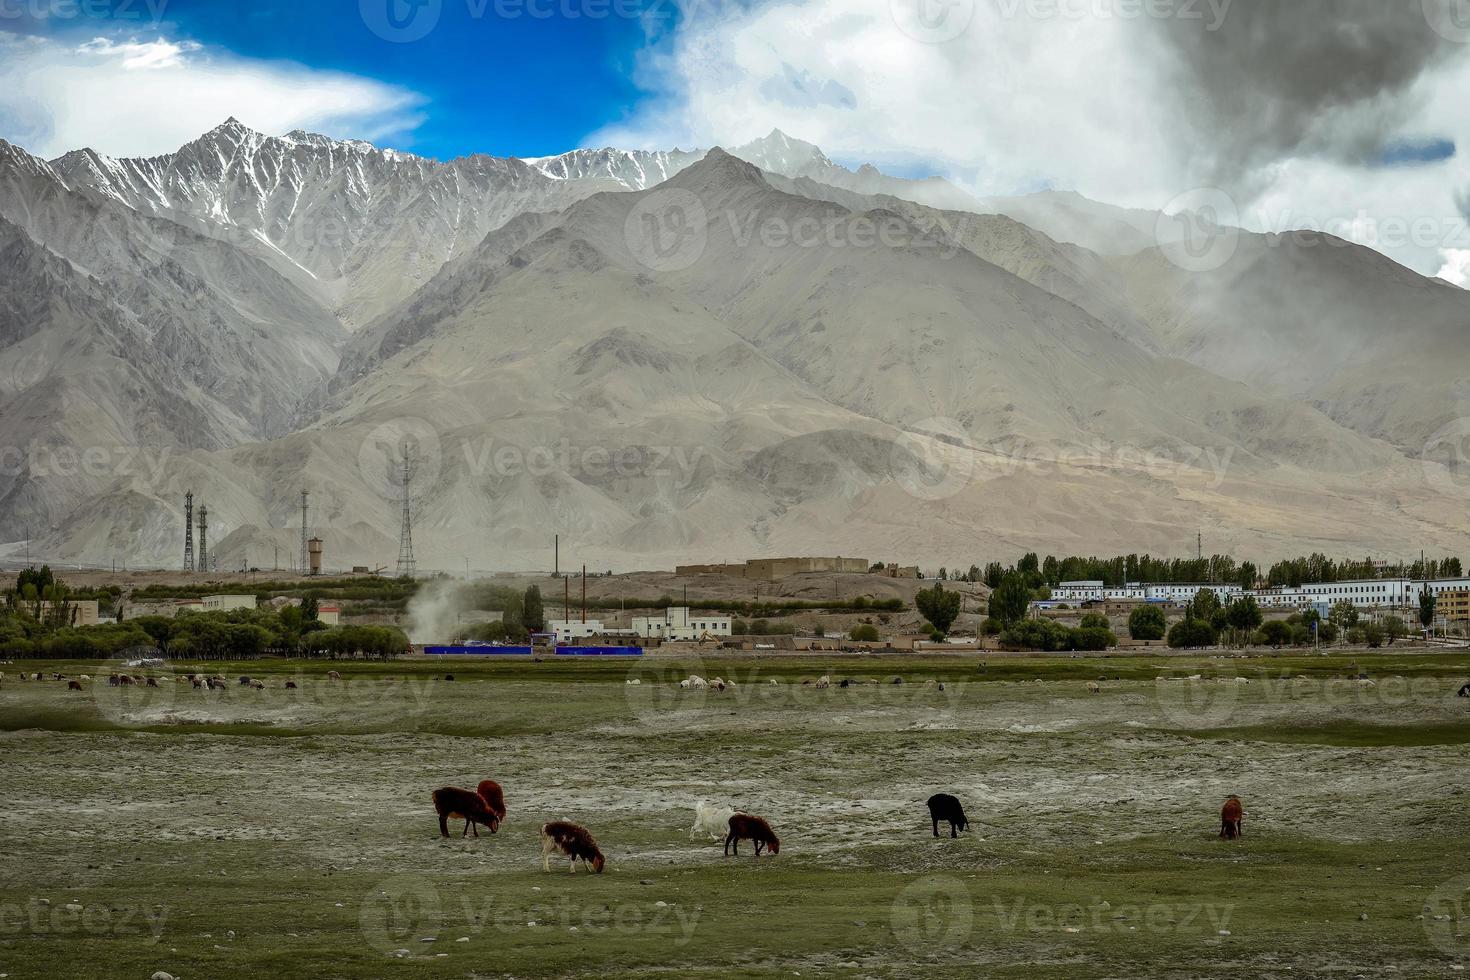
406, 564
304, 567
189, 531
203, 538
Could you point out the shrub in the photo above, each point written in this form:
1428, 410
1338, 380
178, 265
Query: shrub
1275, 633
1037, 634
1191, 634
1093, 638
864, 631
1147, 623
1095, 621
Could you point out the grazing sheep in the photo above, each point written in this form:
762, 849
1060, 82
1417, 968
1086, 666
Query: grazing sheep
711, 819
1464, 691
571, 841
197, 682
718, 684
1231, 815
845, 682
494, 798
824, 682
127, 679
152, 682
694, 681
1365, 682
258, 685
290, 685
1240, 681
83, 677
73, 685
461, 804
216, 684
1093, 687
744, 826
633, 680
333, 675
944, 807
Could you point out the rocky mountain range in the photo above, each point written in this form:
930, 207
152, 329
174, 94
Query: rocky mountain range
692, 355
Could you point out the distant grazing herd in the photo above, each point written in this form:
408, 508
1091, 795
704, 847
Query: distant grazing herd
485, 806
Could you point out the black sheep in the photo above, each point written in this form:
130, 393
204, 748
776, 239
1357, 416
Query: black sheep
944, 807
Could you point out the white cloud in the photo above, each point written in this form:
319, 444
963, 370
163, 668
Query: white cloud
1456, 267
132, 97
1087, 95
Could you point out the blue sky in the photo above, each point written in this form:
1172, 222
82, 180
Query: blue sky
1000, 98
495, 76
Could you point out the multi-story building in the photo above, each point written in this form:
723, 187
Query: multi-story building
1453, 606
222, 603
678, 623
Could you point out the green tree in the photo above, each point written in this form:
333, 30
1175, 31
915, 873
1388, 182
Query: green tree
309, 610
1427, 602
1203, 605
1011, 599
533, 611
1394, 628
1191, 634
1095, 621
1344, 615
864, 631
1147, 623
1244, 614
1373, 635
1276, 633
939, 607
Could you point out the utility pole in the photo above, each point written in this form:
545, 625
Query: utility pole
584, 595
304, 566
556, 555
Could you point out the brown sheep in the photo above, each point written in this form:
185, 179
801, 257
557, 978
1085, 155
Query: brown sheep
571, 841
461, 804
1231, 815
743, 826
494, 798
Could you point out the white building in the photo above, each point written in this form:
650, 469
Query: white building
1174, 592
221, 603
329, 615
564, 631
1095, 591
677, 623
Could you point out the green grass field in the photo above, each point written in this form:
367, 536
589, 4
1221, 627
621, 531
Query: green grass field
290, 834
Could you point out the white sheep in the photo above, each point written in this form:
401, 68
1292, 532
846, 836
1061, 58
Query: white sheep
634, 680
711, 819
694, 681
1093, 687
824, 681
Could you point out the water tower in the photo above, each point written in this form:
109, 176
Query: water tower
314, 555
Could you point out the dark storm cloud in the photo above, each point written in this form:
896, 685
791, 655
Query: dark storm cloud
1278, 78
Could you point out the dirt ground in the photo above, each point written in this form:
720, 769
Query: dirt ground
289, 833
